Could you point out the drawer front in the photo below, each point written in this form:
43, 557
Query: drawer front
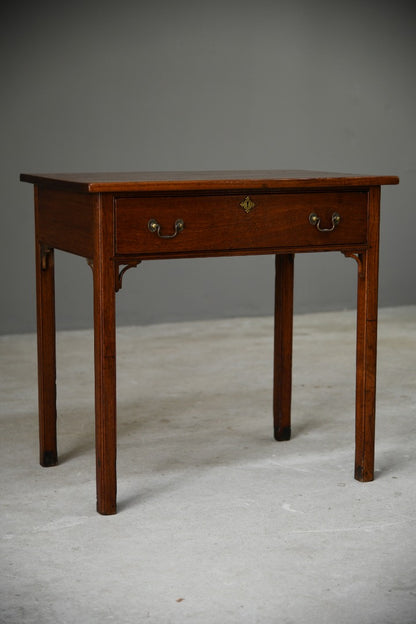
203, 223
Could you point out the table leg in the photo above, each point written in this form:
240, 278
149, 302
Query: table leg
282, 393
45, 304
105, 365
367, 308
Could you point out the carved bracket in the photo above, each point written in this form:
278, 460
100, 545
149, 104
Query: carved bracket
359, 260
45, 254
120, 273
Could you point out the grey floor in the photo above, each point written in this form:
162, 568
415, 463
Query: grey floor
217, 523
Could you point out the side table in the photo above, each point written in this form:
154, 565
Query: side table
117, 220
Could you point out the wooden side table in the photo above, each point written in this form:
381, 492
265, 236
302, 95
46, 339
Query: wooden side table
118, 220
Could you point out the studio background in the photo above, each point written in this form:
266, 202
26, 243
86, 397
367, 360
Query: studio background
206, 85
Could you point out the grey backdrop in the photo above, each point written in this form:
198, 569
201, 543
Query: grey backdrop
206, 85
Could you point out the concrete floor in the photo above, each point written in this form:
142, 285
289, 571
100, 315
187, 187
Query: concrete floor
217, 523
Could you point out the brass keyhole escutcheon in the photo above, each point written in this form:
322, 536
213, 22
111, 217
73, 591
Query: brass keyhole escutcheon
247, 204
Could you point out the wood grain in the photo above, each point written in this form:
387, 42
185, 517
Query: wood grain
66, 220
105, 357
183, 181
283, 332
45, 312
367, 312
213, 223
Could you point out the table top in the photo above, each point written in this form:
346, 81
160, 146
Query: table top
162, 181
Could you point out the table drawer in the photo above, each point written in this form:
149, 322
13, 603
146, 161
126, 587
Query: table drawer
175, 225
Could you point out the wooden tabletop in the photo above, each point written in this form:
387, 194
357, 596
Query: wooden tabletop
203, 180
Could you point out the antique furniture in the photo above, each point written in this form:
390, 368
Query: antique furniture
118, 220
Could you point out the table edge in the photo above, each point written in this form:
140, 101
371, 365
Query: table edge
213, 181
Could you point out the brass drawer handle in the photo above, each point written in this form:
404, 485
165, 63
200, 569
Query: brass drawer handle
154, 227
315, 220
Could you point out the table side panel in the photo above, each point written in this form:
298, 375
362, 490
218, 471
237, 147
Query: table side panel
220, 223
66, 220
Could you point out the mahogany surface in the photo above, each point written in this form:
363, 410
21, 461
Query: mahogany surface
107, 218
203, 180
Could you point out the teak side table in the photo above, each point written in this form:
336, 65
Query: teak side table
117, 220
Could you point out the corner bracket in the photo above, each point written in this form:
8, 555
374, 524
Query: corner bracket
359, 260
45, 255
119, 274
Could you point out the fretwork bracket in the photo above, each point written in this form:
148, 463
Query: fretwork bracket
118, 273
359, 260
45, 255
